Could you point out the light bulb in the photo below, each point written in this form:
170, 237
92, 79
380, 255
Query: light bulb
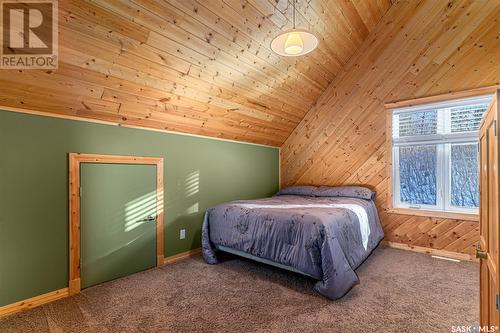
294, 43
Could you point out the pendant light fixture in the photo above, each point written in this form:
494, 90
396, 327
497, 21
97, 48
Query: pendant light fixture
294, 42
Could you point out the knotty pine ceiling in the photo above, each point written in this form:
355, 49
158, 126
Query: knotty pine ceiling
200, 67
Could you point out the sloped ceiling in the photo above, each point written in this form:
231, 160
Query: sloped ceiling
200, 67
420, 48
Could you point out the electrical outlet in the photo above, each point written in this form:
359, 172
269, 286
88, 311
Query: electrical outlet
182, 234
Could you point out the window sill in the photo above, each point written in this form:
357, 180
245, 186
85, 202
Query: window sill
434, 213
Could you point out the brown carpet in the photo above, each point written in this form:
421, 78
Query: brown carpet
400, 291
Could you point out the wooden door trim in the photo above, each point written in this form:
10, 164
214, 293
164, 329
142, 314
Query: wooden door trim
489, 278
75, 159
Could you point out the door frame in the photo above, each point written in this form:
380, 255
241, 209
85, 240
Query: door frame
75, 159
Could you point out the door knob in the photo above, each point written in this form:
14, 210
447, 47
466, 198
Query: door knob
148, 219
480, 254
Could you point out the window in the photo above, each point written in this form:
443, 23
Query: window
435, 155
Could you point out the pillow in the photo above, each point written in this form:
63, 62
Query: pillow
298, 190
345, 191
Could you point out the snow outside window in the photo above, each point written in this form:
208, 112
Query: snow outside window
435, 155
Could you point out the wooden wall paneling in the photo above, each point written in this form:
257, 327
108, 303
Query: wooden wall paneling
320, 127
353, 79
384, 66
466, 243
455, 234
418, 49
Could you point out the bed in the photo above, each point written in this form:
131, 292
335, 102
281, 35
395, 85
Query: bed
322, 232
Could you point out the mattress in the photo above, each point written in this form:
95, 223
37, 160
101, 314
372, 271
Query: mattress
326, 238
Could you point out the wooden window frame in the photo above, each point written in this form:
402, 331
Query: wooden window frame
75, 160
413, 102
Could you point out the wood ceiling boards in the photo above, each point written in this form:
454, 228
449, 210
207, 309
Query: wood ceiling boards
200, 67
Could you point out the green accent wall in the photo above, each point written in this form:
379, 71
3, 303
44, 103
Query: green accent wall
199, 173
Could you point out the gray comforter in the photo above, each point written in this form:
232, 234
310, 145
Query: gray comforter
323, 237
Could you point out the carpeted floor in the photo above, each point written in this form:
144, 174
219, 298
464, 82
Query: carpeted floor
400, 291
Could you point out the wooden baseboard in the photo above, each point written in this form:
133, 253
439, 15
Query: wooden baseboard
182, 256
441, 253
33, 302
65, 292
